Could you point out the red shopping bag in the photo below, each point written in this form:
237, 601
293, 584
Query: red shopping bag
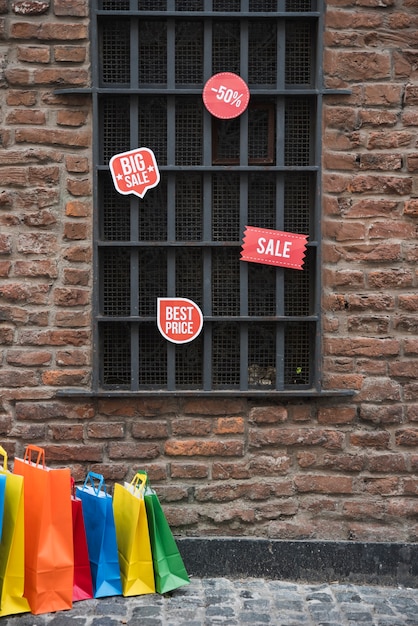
83, 585
49, 558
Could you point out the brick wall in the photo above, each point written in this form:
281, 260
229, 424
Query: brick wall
341, 468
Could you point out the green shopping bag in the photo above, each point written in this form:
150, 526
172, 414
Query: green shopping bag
169, 570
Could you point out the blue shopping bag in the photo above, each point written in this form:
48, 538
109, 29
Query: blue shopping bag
2, 498
101, 536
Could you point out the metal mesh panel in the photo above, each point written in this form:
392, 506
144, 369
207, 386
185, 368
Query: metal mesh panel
189, 209
226, 5
115, 64
152, 279
262, 53
300, 5
189, 364
298, 112
116, 354
262, 356
114, 5
152, 214
261, 134
298, 200
298, 287
189, 126
115, 264
225, 349
189, 274
114, 211
261, 289
152, 52
226, 46
189, 5
264, 5
152, 5
299, 53
152, 125
262, 200
152, 356
115, 126
225, 281
298, 346
226, 141
189, 52
225, 207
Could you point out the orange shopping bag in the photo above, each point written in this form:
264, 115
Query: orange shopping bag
49, 559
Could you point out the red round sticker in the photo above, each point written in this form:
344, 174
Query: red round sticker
226, 95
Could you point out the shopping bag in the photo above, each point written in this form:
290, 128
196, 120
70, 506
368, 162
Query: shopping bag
83, 585
2, 496
101, 536
169, 570
134, 548
12, 545
49, 559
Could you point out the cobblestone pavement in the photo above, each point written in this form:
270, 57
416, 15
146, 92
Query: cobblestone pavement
243, 602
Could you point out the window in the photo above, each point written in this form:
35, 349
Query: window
261, 323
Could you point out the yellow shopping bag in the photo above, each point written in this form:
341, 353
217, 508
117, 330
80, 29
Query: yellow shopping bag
12, 546
134, 549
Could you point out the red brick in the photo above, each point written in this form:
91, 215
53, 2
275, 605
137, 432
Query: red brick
105, 430
189, 470
63, 378
267, 415
27, 358
306, 483
365, 439
195, 447
150, 430
328, 439
229, 426
193, 427
406, 437
126, 450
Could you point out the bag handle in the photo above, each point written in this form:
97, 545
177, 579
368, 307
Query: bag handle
39, 451
3, 453
90, 478
139, 482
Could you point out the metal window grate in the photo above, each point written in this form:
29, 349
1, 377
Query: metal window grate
152, 126
116, 281
115, 126
116, 224
299, 192
226, 46
262, 356
115, 57
225, 349
152, 359
189, 365
189, 53
152, 51
298, 132
184, 237
225, 281
226, 207
299, 42
189, 274
189, 126
116, 355
152, 278
189, 207
262, 52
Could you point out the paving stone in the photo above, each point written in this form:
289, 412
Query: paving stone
243, 602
